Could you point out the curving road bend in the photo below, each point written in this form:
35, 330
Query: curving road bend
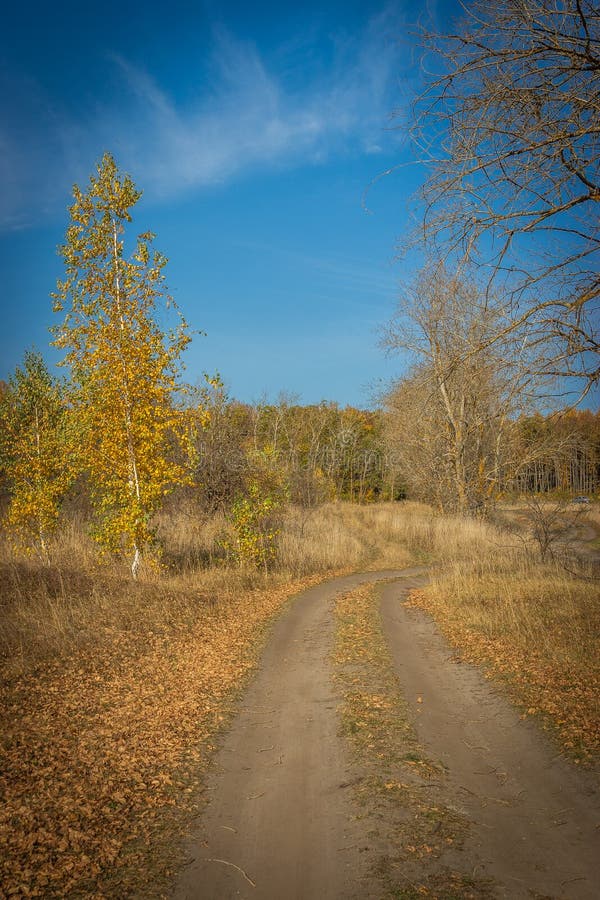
281, 823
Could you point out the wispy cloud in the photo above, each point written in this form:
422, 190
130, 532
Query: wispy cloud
248, 112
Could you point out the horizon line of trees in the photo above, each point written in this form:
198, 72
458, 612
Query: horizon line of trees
315, 453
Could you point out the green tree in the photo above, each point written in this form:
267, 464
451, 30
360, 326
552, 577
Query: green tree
34, 450
256, 514
124, 366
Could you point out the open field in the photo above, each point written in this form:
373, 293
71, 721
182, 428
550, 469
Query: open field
114, 692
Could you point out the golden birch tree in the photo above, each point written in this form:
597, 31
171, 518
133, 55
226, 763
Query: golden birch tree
124, 366
34, 449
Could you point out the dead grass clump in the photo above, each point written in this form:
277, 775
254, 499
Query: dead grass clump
191, 540
386, 535
341, 536
425, 534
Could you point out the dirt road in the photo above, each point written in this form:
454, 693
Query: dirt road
534, 817
282, 820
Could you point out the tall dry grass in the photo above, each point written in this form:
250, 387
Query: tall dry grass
76, 599
534, 624
506, 592
485, 574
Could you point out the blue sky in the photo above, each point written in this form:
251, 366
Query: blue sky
254, 131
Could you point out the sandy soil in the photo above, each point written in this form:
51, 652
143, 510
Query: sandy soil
281, 821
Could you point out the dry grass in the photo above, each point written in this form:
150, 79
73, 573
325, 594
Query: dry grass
48, 610
77, 601
387, 535
342, 536
113, 690
102, 749
535, 626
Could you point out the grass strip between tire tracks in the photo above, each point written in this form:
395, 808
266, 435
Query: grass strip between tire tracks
418, 836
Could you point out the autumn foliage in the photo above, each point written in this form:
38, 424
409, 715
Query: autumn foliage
123, 366
36, 450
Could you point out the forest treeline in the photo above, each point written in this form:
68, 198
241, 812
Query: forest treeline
558, 453
301, 454
327, 452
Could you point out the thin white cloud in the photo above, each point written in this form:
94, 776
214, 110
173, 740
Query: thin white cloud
248, 114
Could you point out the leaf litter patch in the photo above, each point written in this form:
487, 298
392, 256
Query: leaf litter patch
103, 753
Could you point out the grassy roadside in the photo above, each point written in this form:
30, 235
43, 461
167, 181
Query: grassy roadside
533, 625
113, 693
538, 634
419, 838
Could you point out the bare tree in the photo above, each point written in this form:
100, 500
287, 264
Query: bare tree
552, 525
450, 418
416, 441
510, 122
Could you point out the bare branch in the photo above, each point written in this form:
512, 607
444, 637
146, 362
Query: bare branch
510, 125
